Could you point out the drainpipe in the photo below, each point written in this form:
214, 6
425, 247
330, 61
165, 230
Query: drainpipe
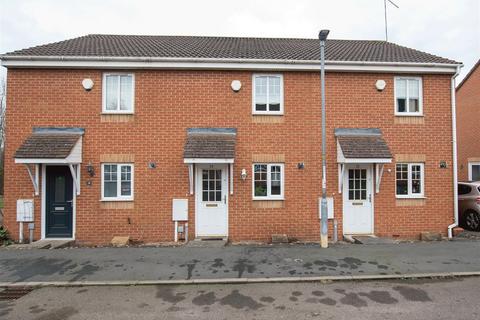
454, 153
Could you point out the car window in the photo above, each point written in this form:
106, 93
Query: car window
464, 189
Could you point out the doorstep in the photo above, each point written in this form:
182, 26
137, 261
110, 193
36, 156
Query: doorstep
368, 239
207, 243
44, 244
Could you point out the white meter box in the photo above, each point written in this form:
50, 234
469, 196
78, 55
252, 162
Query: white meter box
180, 210
25, 210
329, 207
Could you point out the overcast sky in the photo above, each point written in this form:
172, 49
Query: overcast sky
449, 28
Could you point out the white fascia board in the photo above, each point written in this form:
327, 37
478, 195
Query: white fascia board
38, 161
206, 160
367, 160
221, 64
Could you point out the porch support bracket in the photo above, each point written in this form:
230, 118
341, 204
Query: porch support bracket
75, 171
34, 177
341, 171
378, 176
230, 174
190, 177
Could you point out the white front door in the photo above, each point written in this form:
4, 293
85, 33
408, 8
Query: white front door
357, 199
211, 217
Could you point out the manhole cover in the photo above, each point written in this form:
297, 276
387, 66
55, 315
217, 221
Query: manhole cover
14, 293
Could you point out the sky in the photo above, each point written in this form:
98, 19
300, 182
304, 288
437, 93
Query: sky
448, 28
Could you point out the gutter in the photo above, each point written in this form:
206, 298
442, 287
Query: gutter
454, 154
172, 62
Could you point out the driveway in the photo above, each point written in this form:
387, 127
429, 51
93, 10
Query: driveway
234, 262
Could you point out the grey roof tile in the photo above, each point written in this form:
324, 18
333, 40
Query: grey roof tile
229, 48
215, 143
369, 146
47, 146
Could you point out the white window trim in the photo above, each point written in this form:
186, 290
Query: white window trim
119, 197
269, 182
254, 111
420, 97
411, 195
470, 171
104, 93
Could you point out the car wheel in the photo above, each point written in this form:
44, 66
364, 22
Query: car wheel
472, 221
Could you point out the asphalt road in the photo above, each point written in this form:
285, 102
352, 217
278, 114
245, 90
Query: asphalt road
426, 299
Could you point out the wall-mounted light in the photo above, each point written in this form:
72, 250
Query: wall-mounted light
301, 165
87, 84
380, 85
90, 169
236, 85
243, 175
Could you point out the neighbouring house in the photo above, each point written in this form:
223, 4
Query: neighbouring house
113, 135
468, 125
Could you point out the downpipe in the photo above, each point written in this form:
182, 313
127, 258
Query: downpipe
454, 153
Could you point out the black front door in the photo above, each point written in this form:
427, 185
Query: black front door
59, 206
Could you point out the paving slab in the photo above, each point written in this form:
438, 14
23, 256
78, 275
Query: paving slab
238, 262
373, 240
206, 243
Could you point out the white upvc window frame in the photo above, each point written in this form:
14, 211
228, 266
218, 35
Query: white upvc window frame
420, 97
470, 169
411, 195
119, 197
269, 196
267, 112
104, 93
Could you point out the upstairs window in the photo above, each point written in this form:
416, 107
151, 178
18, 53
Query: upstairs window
118, 93
408, 96
267, 94
410, 177
117, 182
268, 181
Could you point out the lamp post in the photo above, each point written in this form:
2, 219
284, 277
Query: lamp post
324, 209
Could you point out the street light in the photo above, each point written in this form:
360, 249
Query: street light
324, 209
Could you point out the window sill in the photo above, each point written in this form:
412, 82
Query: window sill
268, 204
268, 199
410, 198
267, 114
399, 114
117, 117
116, 200
118, 112
410, 202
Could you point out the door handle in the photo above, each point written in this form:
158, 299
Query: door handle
370, 197
225, 199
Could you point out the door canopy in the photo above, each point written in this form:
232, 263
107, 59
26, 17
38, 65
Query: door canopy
210, 145
362, 146
355, 146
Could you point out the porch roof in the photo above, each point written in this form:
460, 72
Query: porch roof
49, 145
362, 145
203, 144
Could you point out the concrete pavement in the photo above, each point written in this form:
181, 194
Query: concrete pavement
428, 300
237, 262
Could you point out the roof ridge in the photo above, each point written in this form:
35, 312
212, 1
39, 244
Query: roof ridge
224, 37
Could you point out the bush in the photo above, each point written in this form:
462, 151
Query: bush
4, 236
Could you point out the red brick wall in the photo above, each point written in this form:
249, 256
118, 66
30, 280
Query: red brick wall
468, 120
168, 102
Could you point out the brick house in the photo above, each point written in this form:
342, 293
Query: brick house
105, 131
468, 119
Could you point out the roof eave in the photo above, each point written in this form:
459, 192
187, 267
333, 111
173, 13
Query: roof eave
20, 61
